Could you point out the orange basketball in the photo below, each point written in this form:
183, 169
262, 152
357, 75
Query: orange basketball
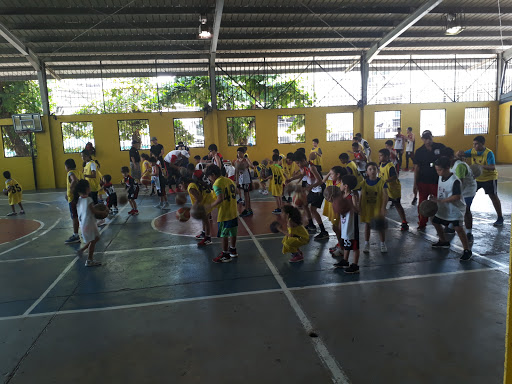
183, 214
299, 199
340, 205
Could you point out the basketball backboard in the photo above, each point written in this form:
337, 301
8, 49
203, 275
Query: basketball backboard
27, 122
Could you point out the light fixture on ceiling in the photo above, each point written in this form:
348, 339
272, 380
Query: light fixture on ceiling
455, 23
204, 31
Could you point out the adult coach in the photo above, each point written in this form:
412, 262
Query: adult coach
173, 163
488, 180
135, 160
156, 149
425, 175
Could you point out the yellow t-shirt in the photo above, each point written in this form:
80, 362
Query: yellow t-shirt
482, 160
276, 181
207, 196
394, 187
15, 191
94, 184
355, 172
328, 211
318, 160
371, 199
227, 210
78, 175
289, 170
146, 172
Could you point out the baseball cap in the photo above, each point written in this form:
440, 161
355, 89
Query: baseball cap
185, 154
154, 138
426, 134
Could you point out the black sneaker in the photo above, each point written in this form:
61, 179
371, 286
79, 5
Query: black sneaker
311, 228
222, 258
201, 236
276, 211
244, 213
467, 255
232, 252
284, 199
404, 227
322, 236
341, 264
290, 199
441, 244
470, 237
354, 268
499, 222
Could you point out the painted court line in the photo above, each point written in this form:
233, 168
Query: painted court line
248, 293
41, 226
338, 375
34, 238
504, 267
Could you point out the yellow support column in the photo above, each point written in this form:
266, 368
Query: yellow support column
507, 377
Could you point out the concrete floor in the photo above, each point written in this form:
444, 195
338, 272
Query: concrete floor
160, 311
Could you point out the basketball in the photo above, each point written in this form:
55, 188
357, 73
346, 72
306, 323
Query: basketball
122, 199
331, 192
198, 212
183, 214
255, 184
103, 211
146, 180
5, 192
312, 156
340, 205
476, 169
181, 199
299, 198
428, 208
274, 227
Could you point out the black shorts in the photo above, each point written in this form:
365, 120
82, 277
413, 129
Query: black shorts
437, 220
351, 245
133, 193
245, 187
316, 199
112, 200
490, 187
397, 200
304, 183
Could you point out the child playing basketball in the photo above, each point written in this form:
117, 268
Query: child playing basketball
290, 169
450, 207
227, 213
351, 168
296, 235
111, 193
389, 174
243, 177
200, 194
349, 226
145, 178
263, 175
276, 183
333, 178
359, 158
86, 212
393, 157
132, 188
374, 197
158, 180
72, 177
14, 193
317, 161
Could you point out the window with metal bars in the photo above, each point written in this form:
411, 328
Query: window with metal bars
189, 131
476, 121
17, 144
133, 130
386, 124
433, 120
291, 129
241, 130
75, 135
340, 126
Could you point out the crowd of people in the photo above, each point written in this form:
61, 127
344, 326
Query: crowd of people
354, 192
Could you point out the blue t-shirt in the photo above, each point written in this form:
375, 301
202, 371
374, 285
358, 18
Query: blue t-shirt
371, 183
490, 156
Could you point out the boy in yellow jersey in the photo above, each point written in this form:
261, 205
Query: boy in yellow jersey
317, 161
290, 169
488, 180
200, 194
374, 197
14, 192
388, 172
72, 177
295, 234
277, 180
92, 175
351, 169
227, 213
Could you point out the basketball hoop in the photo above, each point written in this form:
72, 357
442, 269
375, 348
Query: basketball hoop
27, 122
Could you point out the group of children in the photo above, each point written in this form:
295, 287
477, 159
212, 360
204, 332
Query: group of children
365, 188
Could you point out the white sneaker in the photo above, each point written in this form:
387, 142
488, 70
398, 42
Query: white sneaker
92, 263
366, 248
12, 214
165, 205
383, 248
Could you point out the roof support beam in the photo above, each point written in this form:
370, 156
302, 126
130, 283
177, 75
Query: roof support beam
219, 6
38, 65
507, 54
400, 28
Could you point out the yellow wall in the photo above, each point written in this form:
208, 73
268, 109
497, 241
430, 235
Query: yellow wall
504, 138
51, 156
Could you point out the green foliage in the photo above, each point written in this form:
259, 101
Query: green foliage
17, 144
298, 123
241, 130
181, 134
80, 132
